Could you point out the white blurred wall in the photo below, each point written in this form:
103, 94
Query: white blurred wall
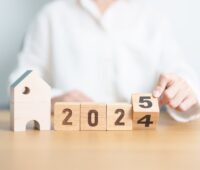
185, 18
15, 15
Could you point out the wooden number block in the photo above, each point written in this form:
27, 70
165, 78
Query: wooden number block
119, 116
145, 111
67, 116
93, 116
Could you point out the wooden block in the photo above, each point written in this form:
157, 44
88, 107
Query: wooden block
23, 113
67, 116
30, 101
93, 116
119, 116
145, 111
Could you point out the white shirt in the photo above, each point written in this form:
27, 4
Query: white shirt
108, 57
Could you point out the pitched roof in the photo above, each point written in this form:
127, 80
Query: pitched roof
22, 77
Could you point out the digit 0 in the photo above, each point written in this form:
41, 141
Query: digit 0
93, 118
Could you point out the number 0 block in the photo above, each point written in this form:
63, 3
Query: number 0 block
119, 116
67, 116
145, 111
93, 116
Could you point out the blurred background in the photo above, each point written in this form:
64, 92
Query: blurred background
16, 15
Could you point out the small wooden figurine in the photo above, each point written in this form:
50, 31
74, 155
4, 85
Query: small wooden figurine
30, 101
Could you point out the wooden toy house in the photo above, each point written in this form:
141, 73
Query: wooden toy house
30, 101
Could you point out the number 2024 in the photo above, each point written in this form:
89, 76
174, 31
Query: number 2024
144, 102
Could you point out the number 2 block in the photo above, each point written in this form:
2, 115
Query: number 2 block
145, 111
67, 116
93, 116
119, 116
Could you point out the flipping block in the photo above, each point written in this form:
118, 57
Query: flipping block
93, 116
30, 101
119, 116
67, 116
145, 111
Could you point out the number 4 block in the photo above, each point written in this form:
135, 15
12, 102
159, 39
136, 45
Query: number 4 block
145, 111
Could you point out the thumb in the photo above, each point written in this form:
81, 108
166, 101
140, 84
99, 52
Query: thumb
162, 84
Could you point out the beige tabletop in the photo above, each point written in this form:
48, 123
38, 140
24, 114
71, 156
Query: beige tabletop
172, 146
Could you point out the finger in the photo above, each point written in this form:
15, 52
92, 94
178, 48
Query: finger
78, 96
164, 100
173, 89
71, 96
85, 99
171, 92
188, 103
179, 98
163, 82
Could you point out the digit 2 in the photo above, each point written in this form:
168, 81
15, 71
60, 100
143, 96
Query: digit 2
69, 115
119, 119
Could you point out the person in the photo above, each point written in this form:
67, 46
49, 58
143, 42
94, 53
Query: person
103, 51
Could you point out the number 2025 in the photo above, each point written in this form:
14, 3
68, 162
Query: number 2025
144, 105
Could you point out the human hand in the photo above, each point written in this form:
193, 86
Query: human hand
175, 92
71, 96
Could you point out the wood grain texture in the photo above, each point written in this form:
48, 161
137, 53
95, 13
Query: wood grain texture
93, 116
141, 111
119, 116
67, 116
172, 145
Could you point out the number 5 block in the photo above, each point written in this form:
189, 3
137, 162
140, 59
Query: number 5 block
145, 111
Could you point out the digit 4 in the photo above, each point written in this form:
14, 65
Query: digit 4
146, 120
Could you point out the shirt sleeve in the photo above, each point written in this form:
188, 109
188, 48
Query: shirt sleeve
172, 61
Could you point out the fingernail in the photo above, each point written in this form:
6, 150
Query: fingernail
156, 93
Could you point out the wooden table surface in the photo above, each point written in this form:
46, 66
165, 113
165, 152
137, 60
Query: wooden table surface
172, 146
